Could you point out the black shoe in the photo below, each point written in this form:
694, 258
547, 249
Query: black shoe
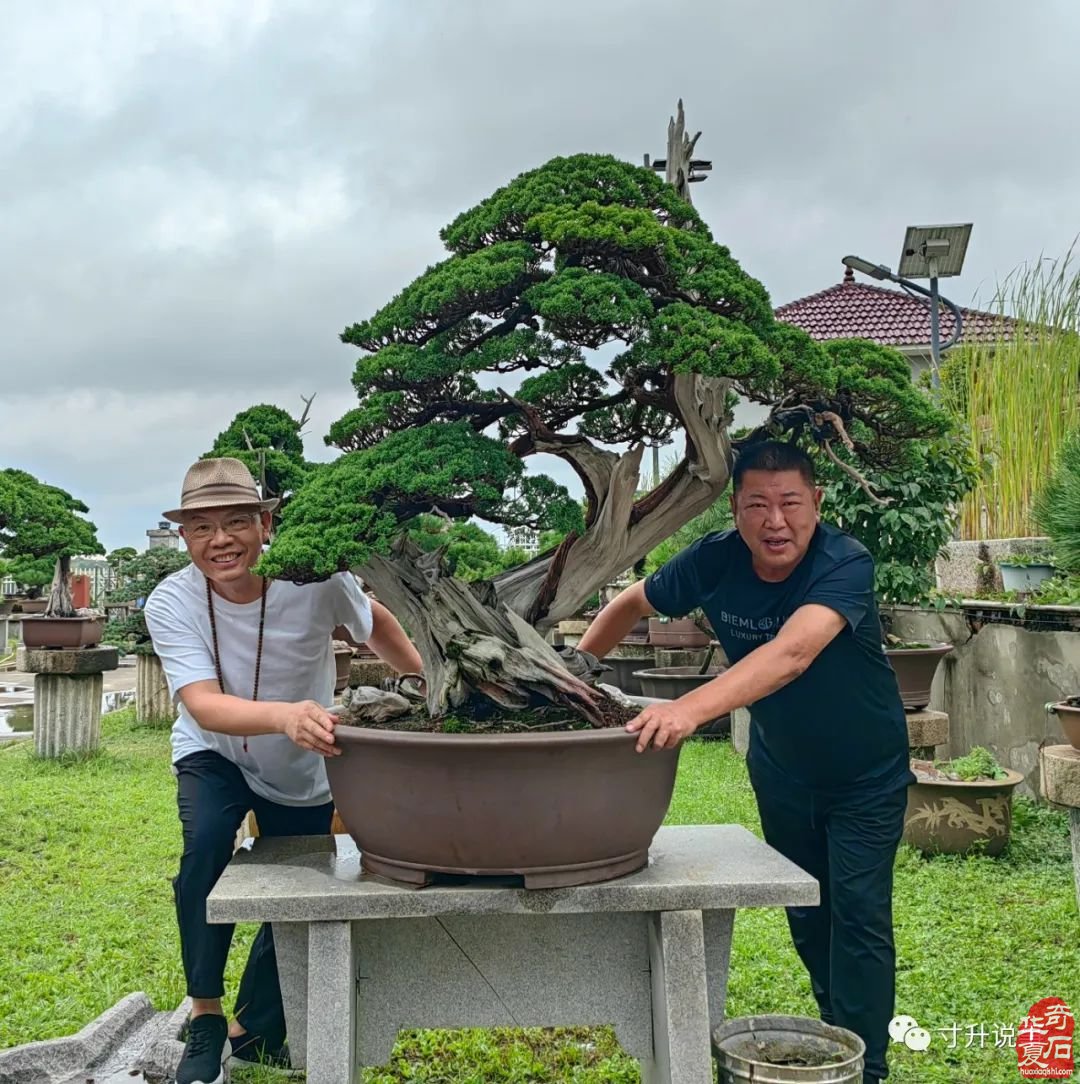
206, 1052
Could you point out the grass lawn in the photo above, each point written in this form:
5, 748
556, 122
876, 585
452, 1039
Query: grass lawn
88, 847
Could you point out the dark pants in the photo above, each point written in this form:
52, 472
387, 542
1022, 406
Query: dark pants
848, 842
213, 799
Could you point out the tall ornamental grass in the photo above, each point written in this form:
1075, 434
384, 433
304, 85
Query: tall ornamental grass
1057, 507
1017, 395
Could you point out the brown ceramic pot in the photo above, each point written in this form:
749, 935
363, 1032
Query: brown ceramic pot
62, 632
623, 674
671, 682
680, 632
342, 664
915, 668
1069, 718
31, 605
947, 816
564, 808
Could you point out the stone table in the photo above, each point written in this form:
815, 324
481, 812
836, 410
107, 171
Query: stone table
1059, 772
68, 687
360, 959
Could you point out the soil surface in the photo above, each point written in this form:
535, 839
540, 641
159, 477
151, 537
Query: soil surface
485, 717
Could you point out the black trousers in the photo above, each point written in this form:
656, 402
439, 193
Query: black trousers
213, 799
848, 842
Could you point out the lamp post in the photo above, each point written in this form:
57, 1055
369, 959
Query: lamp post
929, 252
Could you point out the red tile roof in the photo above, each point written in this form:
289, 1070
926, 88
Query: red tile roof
854, 310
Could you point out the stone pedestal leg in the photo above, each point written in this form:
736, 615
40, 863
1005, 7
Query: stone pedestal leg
331, 1032
1059, 775
152, 700
681, 1044
1074, 829
67, 713
740, 730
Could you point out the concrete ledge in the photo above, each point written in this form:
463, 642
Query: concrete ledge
927, 728
84, 660
53, 1060
1061, 775
691, 867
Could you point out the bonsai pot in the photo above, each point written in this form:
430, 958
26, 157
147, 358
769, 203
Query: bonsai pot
624, 667
62, 632
342, 665
560, 808
787, 1050
1023, 578
31, 605
671, 682
680, 632
915, 667
1068, 713
947, 816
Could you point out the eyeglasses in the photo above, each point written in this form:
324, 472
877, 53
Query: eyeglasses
203, 531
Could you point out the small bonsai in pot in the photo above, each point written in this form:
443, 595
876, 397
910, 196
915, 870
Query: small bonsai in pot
1068, 714
508, 742
961, 804
137, 576
41, 529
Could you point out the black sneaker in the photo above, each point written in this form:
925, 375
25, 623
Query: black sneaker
206, 1052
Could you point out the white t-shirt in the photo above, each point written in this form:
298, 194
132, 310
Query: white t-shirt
297, 664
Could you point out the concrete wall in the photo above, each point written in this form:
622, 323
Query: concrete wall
996, 683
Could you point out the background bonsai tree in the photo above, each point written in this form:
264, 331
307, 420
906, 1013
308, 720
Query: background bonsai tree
494, 356
142, 572
41, 529
268, 441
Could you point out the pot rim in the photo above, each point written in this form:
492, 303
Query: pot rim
1011, 779
938, 647
360, 735
47, 617
1066, 709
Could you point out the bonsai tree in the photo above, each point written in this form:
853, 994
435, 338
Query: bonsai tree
490, 358
41, 529
142, 573
268, 441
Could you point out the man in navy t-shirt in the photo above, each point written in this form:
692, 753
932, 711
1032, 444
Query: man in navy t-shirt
791, 601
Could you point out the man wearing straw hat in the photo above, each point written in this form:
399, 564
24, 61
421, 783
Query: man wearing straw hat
250, 666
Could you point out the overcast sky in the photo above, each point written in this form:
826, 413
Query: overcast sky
199, 195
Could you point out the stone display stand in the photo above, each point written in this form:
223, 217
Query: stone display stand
371, 672
926, 731
1060, 775
359, 959
153, 704
67, 696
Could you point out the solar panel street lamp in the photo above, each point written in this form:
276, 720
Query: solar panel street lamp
930, 252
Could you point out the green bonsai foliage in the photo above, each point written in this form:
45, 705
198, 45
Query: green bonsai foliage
1057, 506
471, 552
487, 359
267, 440
980, 763
41, 529
923, 492
140, 574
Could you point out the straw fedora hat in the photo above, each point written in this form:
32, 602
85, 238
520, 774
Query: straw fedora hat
218, 483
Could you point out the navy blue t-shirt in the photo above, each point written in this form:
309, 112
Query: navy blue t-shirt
841, 722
